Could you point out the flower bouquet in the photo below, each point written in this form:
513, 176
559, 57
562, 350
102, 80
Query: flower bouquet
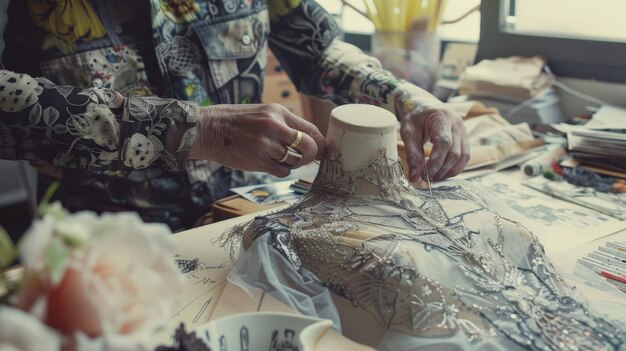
88, 282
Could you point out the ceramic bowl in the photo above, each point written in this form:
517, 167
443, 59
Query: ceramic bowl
263, 331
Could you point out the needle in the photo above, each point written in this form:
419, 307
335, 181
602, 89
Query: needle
430, 189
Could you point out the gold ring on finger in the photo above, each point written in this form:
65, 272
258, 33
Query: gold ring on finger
291, 158
297, 141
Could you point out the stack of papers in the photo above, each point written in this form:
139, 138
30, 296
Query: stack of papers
600, 145
516, 77
496, 144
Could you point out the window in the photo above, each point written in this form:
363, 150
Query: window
597, 19
466, 30
575, 40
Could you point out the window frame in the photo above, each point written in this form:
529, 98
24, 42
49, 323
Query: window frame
567, 57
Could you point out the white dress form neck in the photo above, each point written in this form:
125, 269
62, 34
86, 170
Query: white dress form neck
361, 134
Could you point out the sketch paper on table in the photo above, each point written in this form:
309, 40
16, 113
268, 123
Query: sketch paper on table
205, 283
560, 225
205, 266
237, 300
538, 206
612, 204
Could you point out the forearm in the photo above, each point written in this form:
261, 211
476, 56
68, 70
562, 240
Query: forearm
344, 74
97, 129
304, 37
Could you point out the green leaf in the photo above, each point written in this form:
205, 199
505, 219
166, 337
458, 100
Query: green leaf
7, 249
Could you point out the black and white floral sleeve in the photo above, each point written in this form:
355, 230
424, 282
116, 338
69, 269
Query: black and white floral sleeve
305, 38
98, 129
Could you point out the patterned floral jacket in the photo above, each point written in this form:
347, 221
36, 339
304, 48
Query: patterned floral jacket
117, 109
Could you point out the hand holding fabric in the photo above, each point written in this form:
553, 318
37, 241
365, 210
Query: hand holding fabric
255, 138
445, 130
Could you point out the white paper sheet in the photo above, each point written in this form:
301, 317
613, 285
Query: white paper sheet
608, 117
205, 265
559, 225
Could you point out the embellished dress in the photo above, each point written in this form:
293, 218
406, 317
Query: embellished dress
430, 270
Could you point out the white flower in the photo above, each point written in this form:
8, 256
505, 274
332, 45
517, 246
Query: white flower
113, 278
131, 274
20, 331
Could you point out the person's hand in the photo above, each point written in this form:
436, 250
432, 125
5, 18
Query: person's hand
255, 138
445, 130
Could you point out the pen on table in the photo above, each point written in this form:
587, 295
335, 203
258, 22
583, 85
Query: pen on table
605, 258
613, 257
618, 243
616, 246
619, 285
612, 252
603, 272
603, 266
612, 276
606, 264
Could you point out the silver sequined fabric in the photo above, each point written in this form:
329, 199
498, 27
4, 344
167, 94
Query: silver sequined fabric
429, 267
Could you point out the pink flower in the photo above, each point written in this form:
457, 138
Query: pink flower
111, 277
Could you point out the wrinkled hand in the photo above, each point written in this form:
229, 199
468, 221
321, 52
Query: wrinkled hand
445, 130
254, 137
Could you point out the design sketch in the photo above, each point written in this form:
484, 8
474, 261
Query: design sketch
551, 212
607, 203
187, 266
204, 283
549, 215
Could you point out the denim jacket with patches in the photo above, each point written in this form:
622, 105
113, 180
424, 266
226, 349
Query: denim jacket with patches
119, 88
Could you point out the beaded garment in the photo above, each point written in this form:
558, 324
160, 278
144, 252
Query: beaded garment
429, 266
